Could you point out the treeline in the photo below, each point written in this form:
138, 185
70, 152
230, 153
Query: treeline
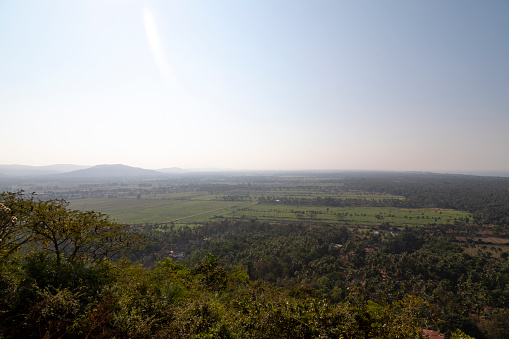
339, 202
487, 198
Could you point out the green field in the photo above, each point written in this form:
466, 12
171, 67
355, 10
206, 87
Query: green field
281, 199
350, 215
155, 210
197, 208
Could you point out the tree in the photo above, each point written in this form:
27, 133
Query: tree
15, 209
55, 229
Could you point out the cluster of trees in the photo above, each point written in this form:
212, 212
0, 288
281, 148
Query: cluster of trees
487, 198
206, 300
469, 292
339, 202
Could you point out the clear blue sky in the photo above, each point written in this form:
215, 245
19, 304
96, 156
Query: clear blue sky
388, 85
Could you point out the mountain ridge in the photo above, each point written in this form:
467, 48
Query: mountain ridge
112, 171
16, 170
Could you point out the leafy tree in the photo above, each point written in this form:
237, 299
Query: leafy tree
51, 227
15, 210
458, 334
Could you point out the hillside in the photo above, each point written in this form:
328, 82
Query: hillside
111, 171
36, 171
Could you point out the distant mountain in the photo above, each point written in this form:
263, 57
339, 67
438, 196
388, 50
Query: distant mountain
481, 173
24, 171
36, 171
63, 168
111, 171
173, 170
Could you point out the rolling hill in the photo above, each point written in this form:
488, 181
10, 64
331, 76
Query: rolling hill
111, 172
36, 171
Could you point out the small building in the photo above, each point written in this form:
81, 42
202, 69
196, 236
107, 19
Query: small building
430, 334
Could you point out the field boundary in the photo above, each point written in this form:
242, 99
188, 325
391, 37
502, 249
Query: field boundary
218, 209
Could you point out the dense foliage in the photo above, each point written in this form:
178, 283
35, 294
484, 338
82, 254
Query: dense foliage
40, 298
470, 292
486, 197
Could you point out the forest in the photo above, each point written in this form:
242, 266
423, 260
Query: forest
289, 255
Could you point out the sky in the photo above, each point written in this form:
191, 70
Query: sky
261, 84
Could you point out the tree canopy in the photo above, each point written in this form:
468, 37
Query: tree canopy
50, 227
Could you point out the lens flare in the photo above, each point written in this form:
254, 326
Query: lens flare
156, 47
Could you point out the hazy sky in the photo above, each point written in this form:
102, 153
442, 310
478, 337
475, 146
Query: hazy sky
391, 85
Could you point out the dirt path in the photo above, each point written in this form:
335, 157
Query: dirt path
219, 209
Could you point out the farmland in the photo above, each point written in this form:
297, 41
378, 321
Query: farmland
287, 199
135, 211
194, 211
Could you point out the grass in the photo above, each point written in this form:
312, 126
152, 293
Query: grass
195, 207
177, 196
359, 215
148, 210
190, 209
